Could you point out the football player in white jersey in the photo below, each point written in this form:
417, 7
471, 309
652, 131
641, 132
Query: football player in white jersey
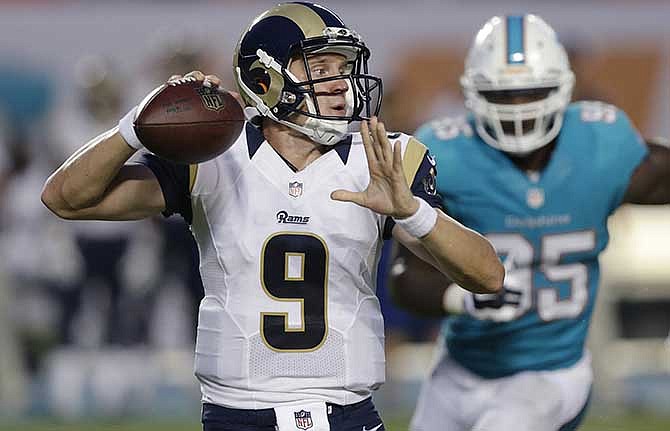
548, 174
289, 222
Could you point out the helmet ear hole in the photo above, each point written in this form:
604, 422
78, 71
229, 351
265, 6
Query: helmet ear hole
260, 81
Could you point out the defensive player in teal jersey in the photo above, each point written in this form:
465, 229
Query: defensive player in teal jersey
539, 177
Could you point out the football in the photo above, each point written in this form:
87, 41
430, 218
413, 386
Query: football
186, 122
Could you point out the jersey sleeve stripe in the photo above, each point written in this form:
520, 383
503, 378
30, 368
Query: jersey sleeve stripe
411, 160
192, 175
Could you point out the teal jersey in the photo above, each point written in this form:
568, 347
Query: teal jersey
548, 229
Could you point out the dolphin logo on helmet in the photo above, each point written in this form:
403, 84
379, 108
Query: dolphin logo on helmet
292, 32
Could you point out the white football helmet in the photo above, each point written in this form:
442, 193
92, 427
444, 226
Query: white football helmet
517, 55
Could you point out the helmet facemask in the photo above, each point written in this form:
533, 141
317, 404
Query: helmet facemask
519, 128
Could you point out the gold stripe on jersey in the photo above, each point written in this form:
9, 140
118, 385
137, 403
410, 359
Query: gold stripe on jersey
192, 175
411, 160
309, 21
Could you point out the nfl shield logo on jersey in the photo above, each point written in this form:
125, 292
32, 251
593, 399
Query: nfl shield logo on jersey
535, 197
303, 420
211, 99
295, 189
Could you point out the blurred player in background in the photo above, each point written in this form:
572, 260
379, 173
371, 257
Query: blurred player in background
97, 105
12, 374
539, 177
290, 335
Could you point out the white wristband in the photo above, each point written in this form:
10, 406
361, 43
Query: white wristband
127, 129
453, 300
421, 222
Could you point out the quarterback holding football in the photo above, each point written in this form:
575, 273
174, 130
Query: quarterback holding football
289, 222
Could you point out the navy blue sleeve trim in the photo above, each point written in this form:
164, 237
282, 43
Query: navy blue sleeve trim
174, 181
424, 187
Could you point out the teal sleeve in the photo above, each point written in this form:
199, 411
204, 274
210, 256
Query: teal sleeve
624, 150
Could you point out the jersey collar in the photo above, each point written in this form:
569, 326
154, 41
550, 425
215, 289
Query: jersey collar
255, 139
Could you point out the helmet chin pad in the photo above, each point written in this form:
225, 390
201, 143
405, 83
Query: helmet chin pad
323, 131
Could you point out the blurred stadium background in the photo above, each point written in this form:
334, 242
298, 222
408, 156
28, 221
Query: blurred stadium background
97, 319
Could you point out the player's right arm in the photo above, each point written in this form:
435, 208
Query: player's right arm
96, 184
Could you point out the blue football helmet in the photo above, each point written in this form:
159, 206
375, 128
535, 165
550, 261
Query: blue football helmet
293, 32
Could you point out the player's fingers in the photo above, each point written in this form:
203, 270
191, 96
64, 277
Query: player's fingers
211, 81
198, 75
347, 196
384, 143
367, 145
374, 137
174, 78
365, 132
397, 157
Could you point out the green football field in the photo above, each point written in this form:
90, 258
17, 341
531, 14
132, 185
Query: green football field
594, 422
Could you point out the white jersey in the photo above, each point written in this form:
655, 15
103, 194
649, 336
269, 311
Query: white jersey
290, 312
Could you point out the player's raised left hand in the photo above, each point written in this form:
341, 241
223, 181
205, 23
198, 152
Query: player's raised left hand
388, 192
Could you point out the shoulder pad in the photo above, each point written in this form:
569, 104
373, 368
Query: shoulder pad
446, 128
597, 112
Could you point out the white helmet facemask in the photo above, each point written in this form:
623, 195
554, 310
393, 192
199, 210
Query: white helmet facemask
530, 125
